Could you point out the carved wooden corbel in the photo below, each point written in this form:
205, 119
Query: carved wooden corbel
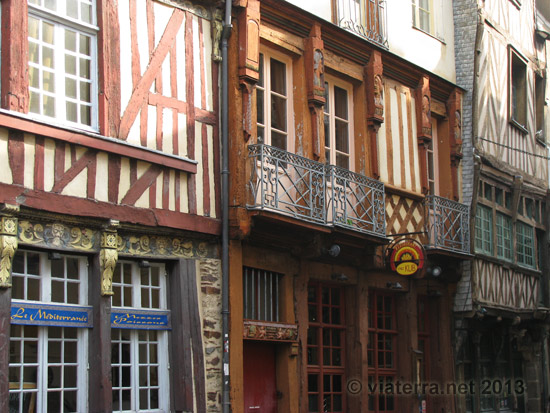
374, 82
424, 127
8, 243
108, 256
454, 113
249, 60
315, 82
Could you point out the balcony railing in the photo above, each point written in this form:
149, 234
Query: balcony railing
305, 189
447, 224
366, 18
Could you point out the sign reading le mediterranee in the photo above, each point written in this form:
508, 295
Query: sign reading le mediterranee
50, 315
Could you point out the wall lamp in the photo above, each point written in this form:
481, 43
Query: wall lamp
434, 271
394, 286
333, 251
339, 277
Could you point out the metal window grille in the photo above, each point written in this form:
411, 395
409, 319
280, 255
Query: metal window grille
261, 294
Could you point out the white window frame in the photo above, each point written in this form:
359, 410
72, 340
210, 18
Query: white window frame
62, 22
432, 160
267, 54
416, 16
333, 82
44, 339
162, 338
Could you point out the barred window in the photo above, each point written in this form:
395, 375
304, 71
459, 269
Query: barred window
261, 294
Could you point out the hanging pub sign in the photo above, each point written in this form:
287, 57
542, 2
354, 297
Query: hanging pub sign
406, 256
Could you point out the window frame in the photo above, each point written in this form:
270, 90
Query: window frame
264, 86
417, 22
320, 369
375, 372
135, 342
331, 83
487, 243
518, 89
46, 335
62, 23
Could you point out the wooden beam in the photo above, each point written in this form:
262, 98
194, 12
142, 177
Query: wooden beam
98, 142
63, 204
99, 339
14, 83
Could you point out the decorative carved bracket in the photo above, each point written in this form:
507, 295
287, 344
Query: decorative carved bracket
374, 82
454, 113
8, 244
315, 83
108, 256
249, 59
424, 127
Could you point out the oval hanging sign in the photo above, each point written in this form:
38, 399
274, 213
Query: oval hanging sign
407, 257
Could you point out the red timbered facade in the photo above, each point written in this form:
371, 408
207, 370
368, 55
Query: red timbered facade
109, 192
337, 147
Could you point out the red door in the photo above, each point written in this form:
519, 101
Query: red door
260, 390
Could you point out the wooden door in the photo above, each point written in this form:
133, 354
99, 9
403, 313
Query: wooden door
260, 389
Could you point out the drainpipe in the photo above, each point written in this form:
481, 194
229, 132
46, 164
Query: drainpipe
226, 403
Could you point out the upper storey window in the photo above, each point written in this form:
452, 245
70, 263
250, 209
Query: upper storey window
367, 18
422, 15
518, 90
62, 61
273, 100
338, 123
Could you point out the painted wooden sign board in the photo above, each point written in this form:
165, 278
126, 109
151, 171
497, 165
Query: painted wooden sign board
407, 257
51, 315
141, 320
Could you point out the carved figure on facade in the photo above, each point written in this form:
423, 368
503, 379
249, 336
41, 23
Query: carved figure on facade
426, 115
378, 96
269, 331
8, 246
108, 256
458, 133
318, 69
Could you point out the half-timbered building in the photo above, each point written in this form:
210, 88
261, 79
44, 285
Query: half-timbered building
345, 137
501, 305
110, 206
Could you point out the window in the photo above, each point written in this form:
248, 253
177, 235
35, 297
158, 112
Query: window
365, 18
62, 63
261, 294
432, 159
525, 244
516, 241
273, 100
325, 349
381, 350
540, 87
48, 364
504, 237
338, 124
518, 90
422, 15
484, 230
139, 358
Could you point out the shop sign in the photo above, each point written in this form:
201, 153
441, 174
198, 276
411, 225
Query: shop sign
51, 315
141, 320
406, 257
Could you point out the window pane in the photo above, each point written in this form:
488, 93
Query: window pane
278, 113
278, 77
340, 103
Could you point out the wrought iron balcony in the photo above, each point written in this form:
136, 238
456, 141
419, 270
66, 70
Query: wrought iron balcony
447, 224
305, 189
366, 18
